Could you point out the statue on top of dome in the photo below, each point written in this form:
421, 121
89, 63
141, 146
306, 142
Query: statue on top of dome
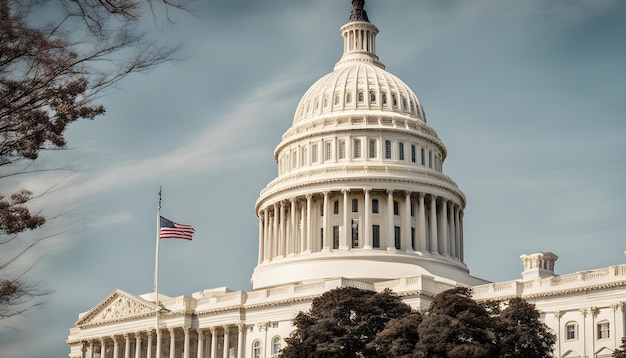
358, 13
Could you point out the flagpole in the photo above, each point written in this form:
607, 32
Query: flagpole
156, 279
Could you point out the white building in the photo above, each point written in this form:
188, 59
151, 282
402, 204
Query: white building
360, 200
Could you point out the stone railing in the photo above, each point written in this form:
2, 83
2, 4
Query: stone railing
555, 283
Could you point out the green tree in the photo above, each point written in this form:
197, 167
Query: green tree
342, 322
520, 332
51, 75
399, 337
456, 327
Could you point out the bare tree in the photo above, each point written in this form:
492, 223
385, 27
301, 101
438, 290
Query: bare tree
52, 73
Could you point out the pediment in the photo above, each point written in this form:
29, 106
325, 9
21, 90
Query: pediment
604, 352
571, 354
118, 306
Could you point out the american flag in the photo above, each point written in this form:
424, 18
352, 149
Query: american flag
173, 230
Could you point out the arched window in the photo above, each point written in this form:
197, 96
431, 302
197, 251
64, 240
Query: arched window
375, 206
571, 331
276, 345
401, 151
355, 205
372, 97
604, 330
387, 149
336, 207
360, 96
256, 349
357, 148
348, 97
372, 148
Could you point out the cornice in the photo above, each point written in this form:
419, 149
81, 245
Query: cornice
575, 290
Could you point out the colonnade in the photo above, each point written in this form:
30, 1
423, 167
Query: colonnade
403, 220
198, 343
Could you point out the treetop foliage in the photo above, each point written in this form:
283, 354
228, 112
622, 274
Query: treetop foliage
348, 322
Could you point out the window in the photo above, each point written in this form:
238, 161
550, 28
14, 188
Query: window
384, 98
375, 206
372, 97
342, 149
423, 157
430, 159
322, 209
304, 161
328, 151
256, 349
355, 233
401, 151
396, 208
336, 207
355, 205
603, 330
337, 98
376, 235
321, 237
335, 237
394, 100
412, 209
314, 153
372, 148
413, 153
276, 346
357, 149
396, 236
360, 96
348, 97
387, 149
413, 238
294, 159
571, 330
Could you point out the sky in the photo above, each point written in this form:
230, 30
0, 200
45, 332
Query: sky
529, 98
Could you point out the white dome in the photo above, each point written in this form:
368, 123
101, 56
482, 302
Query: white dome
355, 87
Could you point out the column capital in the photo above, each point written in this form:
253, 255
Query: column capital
367, 190
126, 335
408, 192
558, 314
200, 333
584, 312
213, 330
226, 328
241, 326
389, 191
292, 200
308, 196
345, 190
171, 330
149, 333
421, 195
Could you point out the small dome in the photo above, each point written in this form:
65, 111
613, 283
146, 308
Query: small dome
354, 87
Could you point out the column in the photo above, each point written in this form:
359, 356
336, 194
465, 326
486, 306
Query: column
242, 328
327, 234
225, 355
213, 342
126, 345
261, 246
302, 229
149, 344
408, 244
461, 235
444, 227
137, 345
293, 235
281, 231
390, 230
200, 343
92, 345
421, 224
266, 238
186, 344
457, 235
347, 228
116, 347
275, 232
367, 232
434, 247
450, 240
159, 342
308, 222
103, 349
172, 343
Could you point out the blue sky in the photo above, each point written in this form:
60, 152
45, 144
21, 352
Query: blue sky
528, 96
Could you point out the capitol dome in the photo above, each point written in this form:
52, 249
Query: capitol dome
360, 191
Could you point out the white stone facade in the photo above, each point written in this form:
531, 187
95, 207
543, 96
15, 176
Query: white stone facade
360, 200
